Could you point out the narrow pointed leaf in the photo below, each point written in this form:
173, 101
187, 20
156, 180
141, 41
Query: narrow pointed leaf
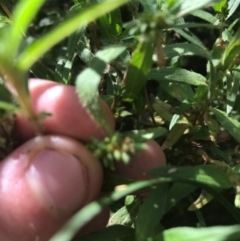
138, 68
184, 49
162, 108
153, 205
182, 8
233, 83
175, 134
230, 124
205, 15
23, 15
207, 174
88, 81
232, 7
180, 91
177, 75
231, 51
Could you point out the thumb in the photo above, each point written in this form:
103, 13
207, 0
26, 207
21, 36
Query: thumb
43, 183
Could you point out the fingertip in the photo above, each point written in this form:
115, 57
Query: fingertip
43, 183
67, 114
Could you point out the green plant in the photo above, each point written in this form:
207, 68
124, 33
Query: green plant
125, 53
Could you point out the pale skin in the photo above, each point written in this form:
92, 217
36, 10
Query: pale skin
42, 180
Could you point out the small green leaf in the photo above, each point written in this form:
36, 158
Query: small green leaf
230, 124
178, 90
184, 49
177, 75
175, 134
191, 37
162, 108
231, 51
153, 205
219, 7
138, 68
208, 17
233, 83
185, 105
125, 215
88, 81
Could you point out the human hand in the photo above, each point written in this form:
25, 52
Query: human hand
48, 178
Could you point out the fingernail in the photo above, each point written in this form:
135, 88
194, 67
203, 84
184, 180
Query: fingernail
58, 181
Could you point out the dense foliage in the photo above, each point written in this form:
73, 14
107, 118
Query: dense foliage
170, 70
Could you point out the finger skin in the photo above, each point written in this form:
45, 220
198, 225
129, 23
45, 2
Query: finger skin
146, 160
26, 212
68, 116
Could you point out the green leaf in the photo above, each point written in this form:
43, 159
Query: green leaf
232, 7
153, 205
23, 14
219, 7
178, 90
233, 83
217, 233
112, 233
9, 107
32, 53
188, 35
230, 124
175, 134
88, 81
208, 17
231, 51
183, 7
177, 75
207, 174
162, 108
138, 68
125, 215
185, 49
185, 106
